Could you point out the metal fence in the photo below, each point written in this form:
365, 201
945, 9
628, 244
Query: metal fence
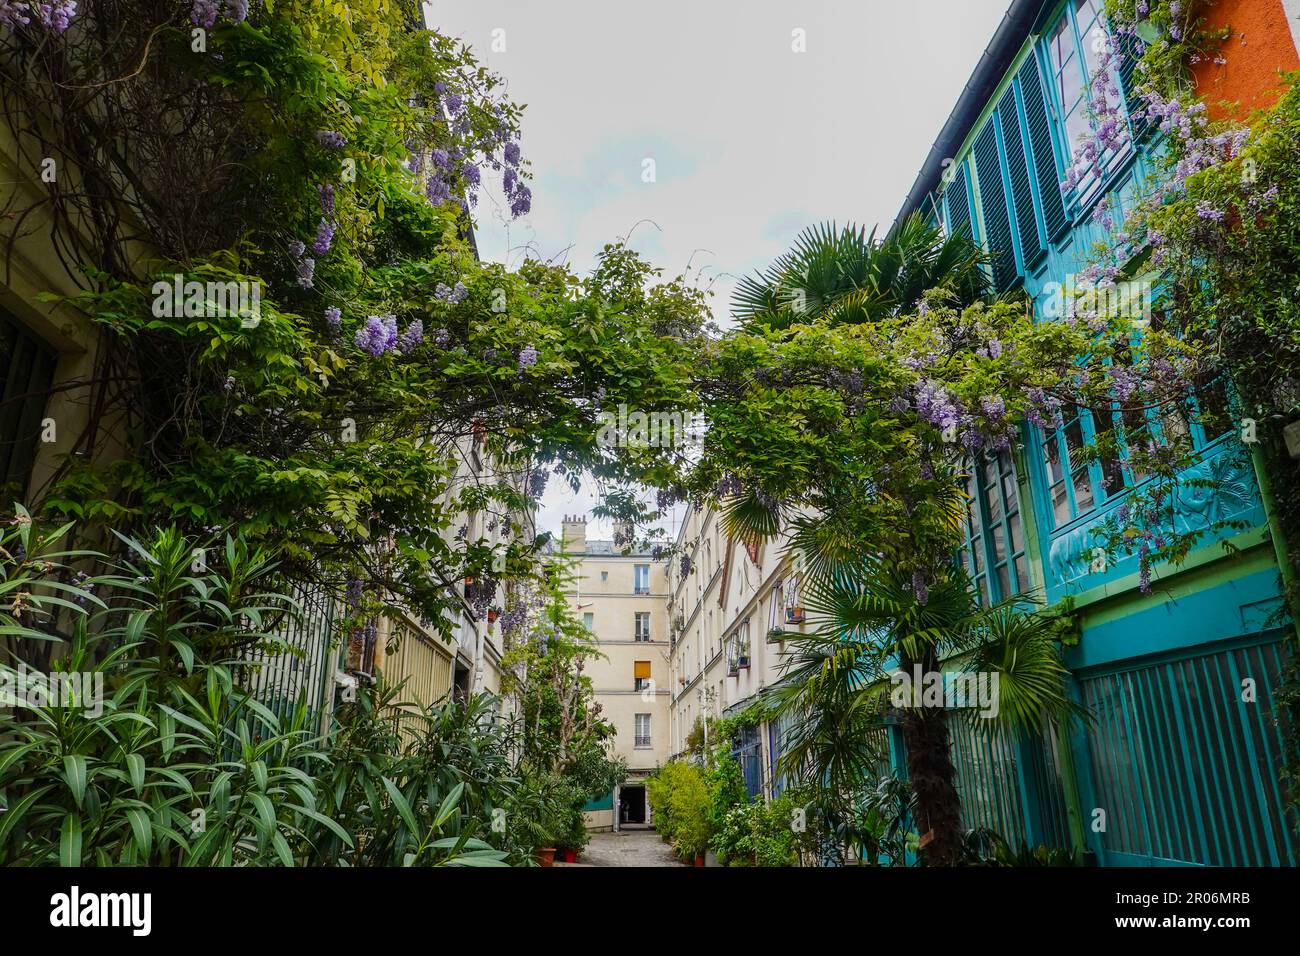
299, 663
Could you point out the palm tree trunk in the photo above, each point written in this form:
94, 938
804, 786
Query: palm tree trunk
933, 779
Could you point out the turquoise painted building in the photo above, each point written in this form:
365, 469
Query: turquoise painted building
1180, 761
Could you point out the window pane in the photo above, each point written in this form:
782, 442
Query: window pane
999, 537
1017, 534
1022, 573
1082, 491
1052, 458
1112, 470
1004, 582
1060, 504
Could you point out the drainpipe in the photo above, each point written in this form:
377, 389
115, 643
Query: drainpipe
1275, 532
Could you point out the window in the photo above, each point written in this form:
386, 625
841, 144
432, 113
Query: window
994, 554
604, 575
641, 675
1079, 481
643, 730
589, 621
642, 625
27, 370
1074, 52
641, 578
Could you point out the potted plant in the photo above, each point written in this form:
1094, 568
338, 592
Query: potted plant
775, 635
794, 614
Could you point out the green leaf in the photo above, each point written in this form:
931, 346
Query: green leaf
74, 771
70, 841
141, 829
403, 808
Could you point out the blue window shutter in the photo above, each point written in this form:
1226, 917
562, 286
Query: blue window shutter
1022, 190
993, 205
959, 223
1040, 145
1128, 82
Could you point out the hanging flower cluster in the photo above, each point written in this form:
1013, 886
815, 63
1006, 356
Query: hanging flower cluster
56, 16
204, 13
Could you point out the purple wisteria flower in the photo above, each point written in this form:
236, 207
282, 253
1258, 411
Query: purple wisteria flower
527, 357
14, 14
1205, 210
437, 191
204, 13
56, 16
330, 139
324, 237
297, 248
453, 102
511, 153
378, 335
508, 180
306, 273
471, 174
522, 202
412, 337
237, 10
326, 193
441, 338
994, 406
334, 317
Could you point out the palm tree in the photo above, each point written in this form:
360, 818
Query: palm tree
873, 622
845, 275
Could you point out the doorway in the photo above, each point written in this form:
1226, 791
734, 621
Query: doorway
631, 805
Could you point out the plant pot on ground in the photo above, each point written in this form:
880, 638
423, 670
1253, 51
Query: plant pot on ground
546, 856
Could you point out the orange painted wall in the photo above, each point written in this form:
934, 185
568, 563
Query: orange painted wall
1249, 80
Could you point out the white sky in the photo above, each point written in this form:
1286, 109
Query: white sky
752, 142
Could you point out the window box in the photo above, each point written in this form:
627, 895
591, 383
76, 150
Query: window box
775, 636
743, 663
795, 615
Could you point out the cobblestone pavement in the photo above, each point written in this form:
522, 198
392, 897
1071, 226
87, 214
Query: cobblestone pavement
628, 848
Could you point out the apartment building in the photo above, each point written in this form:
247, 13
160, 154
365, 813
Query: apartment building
730, 606
620, 594
1179, 765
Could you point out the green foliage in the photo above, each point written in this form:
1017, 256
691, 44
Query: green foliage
680, 800
162, 759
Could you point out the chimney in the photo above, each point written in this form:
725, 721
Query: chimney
575, 534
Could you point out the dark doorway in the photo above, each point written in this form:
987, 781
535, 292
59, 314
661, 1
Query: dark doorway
460, 684
631, 804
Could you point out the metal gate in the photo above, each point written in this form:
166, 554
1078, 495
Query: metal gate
1185, 764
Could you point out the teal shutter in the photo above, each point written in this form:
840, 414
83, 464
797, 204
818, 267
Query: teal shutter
993, 205
958, 196
1022, 190
1040, 145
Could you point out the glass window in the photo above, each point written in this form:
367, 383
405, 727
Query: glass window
642, 730
1074, 53
641, 578
642, 625
994, 554
589, 621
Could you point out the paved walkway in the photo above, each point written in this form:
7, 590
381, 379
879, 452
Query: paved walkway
628, 848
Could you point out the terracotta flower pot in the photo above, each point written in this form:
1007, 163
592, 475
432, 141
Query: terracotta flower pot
546, 856
699, 859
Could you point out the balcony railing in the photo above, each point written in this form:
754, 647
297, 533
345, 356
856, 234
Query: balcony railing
642, 742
